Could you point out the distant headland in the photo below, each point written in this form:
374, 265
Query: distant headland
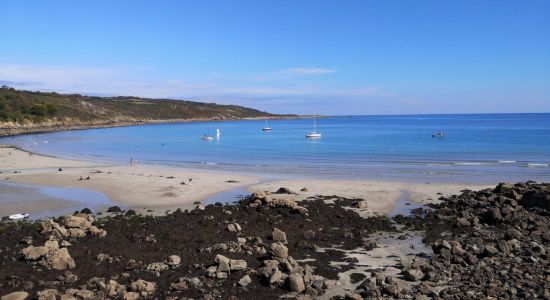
34, 111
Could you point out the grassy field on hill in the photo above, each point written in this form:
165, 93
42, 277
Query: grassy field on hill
26, 107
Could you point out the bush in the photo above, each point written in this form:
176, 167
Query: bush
38, 110
51, 109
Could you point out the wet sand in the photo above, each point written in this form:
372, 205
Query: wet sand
145, 187
32, 202
135, 186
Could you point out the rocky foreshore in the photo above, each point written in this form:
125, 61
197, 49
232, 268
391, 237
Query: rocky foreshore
485, 244
490, 244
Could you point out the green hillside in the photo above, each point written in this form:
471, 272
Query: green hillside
24, 107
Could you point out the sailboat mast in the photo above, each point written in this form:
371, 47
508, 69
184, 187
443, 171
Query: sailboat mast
314, 124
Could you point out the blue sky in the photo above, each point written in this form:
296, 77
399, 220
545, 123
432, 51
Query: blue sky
327, 57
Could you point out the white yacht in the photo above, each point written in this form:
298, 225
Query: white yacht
207, 136
266, 128
314, 134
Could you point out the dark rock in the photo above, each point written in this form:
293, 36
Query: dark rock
369, 244
537, 198
495, 214
503, 247
284, 190
114, 209
413, 275
179, 286
490, 250
309, 234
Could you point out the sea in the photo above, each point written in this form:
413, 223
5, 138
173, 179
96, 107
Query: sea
472, 147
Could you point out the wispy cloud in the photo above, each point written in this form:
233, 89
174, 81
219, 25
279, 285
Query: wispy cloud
212, 87
308, 71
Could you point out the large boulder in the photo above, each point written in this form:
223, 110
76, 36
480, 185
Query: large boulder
282, 202
114, 290
59, 259
48, 294
296, 283
259, 196
413, 275
245, 280
51, 227
537, 198
284, 190
97, 231
76, 222
223, 263
173, 260
51, 256
130, 296
361, 204
279, 251
16, 296
76, 232
309, 234
234, 227
278, 235
34, 253
144, 288
237, 264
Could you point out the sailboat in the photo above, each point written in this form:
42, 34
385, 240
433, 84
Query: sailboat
314, 134
207, 137
266, 128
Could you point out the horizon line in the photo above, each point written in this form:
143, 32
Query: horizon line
99, 95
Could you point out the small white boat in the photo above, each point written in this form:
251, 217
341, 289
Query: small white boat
266, 128
218, 133
207, 137
314, 134
18, 216
440, 135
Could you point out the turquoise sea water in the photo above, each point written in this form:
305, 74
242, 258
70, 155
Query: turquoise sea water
482, 147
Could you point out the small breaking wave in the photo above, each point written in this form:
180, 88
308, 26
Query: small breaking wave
537, 165
468, 164
506, 161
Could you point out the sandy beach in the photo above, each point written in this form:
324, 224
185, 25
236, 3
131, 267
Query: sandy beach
134, 186
145, 187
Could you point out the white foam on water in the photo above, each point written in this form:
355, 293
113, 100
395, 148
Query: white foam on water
468, 164
506, 161
537, 165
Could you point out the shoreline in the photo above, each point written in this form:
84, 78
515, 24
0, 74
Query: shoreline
144, 187
12, 131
